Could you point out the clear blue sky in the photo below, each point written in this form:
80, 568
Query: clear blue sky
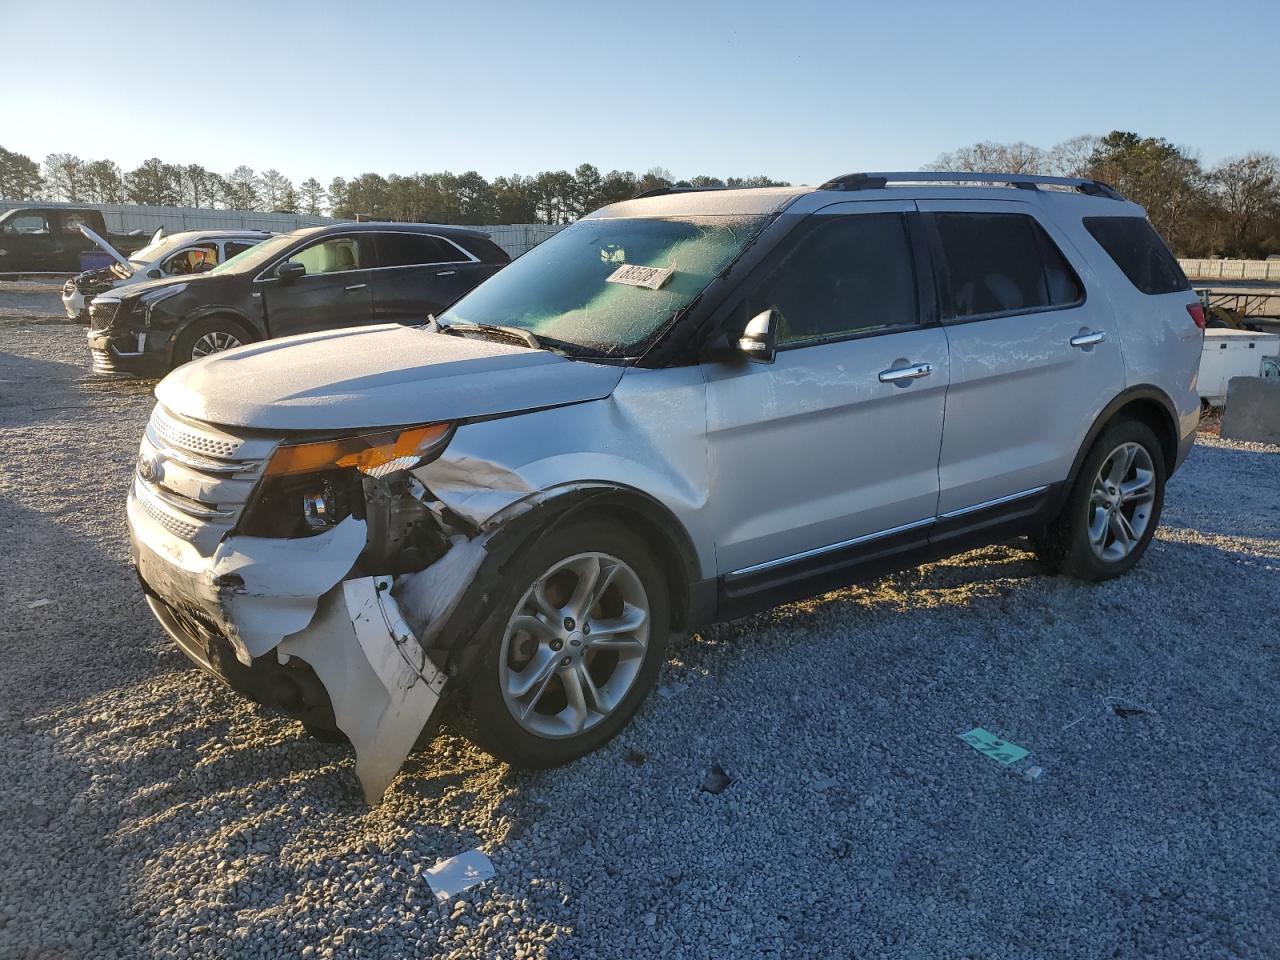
797, 90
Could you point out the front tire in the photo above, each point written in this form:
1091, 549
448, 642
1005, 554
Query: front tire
206, 337
572, 649
1113, 508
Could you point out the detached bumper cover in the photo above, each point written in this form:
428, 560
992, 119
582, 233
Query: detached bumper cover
275, 619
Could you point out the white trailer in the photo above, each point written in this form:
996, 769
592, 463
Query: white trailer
1232, 353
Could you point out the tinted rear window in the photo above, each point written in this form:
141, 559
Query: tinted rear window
1003, 263
410, 249
1138, 250
486, 250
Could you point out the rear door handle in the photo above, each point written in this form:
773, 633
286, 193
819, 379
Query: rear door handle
357, 286
1088, 339
446, 273
913, 372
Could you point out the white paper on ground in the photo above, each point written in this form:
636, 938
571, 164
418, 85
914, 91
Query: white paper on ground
448, 878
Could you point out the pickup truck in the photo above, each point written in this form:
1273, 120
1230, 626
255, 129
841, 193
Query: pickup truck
48, 239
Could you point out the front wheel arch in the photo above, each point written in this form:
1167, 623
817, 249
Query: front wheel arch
610, 503
251, 332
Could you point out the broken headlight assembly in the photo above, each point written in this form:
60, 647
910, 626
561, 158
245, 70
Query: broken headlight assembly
308, 488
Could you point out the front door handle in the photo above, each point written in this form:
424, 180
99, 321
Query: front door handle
913, 372
1088, 339
357, 286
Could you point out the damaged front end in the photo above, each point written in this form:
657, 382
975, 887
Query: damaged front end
314, 577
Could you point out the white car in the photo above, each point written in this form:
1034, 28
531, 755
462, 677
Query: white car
192, 251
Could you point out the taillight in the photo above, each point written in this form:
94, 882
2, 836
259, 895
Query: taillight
1197, 313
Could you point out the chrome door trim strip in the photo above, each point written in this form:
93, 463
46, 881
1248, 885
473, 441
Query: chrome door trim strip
998, 501
818, 551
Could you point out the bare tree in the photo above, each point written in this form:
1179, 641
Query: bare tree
64, 177
1071, 158
1248, 191
990, 157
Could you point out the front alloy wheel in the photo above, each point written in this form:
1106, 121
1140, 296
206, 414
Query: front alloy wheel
215, 341
574, 645
571, 646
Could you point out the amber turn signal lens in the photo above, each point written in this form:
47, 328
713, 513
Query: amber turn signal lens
371, 453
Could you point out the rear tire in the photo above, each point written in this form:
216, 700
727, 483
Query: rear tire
1113, 508
587, 657
206, 337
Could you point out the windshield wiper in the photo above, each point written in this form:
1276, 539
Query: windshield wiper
527, 337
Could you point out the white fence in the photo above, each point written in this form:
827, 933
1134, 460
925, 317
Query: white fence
515, 238
1231, 269
128, 217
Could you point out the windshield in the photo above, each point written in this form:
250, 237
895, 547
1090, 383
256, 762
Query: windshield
256, 256
156, 251
572, 288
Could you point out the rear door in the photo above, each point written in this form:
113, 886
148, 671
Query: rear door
1033, 360
334, 292
420, 274
828, 449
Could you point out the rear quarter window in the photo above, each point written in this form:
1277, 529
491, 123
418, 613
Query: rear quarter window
484, 249
1139, 252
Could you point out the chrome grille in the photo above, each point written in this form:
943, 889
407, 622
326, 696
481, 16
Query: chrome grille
102, 313
195, 479
218, 444
178, 528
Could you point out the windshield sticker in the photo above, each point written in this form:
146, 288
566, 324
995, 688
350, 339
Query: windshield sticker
651, 278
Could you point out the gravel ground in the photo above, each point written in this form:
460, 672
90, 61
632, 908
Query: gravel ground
32, 301
145, 811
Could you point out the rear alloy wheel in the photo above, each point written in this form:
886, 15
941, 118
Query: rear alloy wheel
573, 648
1121, 501
1113, 509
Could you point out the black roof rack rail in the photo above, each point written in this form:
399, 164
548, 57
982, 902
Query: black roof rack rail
1021, 181
663, 191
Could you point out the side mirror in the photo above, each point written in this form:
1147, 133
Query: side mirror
759, 341
290, 270
154, 274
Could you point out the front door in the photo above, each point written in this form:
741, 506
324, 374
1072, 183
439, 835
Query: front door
1033, 361
834, 446
334, 291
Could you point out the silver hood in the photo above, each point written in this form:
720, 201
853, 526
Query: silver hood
380, 376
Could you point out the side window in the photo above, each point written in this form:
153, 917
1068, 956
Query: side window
234, 247
331, 255
71, 223
189, 260
1002, 263
412, 249
26, 223
1138, 250
850, 274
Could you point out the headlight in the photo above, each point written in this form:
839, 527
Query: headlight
373, 454
152, 297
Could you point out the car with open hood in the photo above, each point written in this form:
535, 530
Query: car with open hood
681, 409
184, 254
316, 278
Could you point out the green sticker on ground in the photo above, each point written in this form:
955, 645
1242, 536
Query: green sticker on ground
1002, 751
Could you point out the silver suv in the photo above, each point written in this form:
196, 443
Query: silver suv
681, 409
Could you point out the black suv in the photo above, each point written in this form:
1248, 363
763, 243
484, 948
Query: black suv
316, 278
